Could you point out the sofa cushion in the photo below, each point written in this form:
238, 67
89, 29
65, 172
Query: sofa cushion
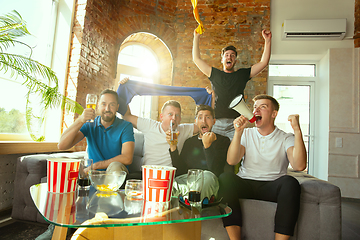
30, 170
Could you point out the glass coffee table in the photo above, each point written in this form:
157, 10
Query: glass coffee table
112, 215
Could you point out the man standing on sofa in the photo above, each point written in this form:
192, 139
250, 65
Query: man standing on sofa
110, 140
229, 83
267, 152
206, 150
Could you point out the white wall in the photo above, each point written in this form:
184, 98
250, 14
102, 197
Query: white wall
312, 51
308, 9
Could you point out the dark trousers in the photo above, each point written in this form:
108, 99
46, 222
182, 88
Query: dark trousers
285, 191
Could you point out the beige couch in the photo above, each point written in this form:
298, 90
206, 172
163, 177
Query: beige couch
320, 209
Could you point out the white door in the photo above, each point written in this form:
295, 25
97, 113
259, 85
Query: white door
296, 98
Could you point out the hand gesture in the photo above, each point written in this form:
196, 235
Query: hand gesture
294, 121
208, 138
240, 123
209, 91
168, 139
266, 34
87, 115
196, 34
124, 80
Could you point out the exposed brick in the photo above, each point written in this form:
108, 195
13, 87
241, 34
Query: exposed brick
101, 26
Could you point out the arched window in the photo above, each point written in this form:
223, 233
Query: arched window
139, 63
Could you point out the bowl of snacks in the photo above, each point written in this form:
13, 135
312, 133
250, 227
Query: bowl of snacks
104, 181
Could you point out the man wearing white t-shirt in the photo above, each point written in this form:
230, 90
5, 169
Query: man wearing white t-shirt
267, 152
156, 148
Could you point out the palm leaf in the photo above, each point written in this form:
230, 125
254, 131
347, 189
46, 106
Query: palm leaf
38, 78
12, 26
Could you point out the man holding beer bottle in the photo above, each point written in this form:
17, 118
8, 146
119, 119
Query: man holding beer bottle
155, 144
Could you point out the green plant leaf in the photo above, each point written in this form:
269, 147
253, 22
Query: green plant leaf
38, 78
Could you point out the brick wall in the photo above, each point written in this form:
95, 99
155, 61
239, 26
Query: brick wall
357, 24
101, 26
237, 23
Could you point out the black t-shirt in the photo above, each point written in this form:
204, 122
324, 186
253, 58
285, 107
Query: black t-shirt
227, 86
195, 156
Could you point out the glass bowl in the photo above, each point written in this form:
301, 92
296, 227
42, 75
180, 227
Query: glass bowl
110, 203
107, 181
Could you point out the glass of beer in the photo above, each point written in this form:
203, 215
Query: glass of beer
91, 100
195, 182
174, 134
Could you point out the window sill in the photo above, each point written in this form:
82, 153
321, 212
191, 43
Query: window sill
30, 147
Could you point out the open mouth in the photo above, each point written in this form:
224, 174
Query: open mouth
258, 118
204, 129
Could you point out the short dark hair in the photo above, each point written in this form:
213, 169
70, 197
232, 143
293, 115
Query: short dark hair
231, 47
109, 91
171, 103
203, 107
274, 102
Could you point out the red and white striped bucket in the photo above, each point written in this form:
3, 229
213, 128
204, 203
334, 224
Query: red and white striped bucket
153, 211
62, 174
157, 182
61, 207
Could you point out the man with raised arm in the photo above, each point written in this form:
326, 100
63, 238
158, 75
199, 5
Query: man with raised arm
110, 140
229, 82
262, 175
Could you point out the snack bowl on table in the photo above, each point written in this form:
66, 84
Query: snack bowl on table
107, 181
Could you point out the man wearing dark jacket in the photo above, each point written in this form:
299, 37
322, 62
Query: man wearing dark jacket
206, 151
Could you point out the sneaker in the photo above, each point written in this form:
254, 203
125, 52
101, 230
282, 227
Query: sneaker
47, 235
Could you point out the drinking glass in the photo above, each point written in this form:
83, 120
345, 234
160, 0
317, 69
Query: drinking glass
134, 188
195, 182
174, 134
85, 166
91, 100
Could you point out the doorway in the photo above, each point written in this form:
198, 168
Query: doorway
296, 97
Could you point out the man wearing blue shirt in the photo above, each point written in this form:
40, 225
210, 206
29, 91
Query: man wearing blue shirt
110, 140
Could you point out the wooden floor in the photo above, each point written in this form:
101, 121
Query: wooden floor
350, 209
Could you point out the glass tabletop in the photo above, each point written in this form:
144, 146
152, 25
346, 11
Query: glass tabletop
92, 208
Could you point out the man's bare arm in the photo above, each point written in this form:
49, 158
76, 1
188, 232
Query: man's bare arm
258, 67
297, 154
201, 64
236, 151
72, 135
125, 157
130, 118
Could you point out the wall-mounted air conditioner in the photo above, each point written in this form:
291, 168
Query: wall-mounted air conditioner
316, 29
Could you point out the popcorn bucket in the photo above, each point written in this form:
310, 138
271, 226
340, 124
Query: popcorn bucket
155, 211
61, 207
62, 174
157, 182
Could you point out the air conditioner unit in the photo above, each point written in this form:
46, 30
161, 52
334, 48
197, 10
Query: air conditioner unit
317, 29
